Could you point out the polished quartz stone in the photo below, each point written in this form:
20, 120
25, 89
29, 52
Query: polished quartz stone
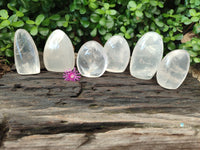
91, 59
25, 53
59, 52
118, 54
173, 69
146, 56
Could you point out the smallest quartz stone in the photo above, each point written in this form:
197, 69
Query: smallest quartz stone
173, 69
25, 53
91, 59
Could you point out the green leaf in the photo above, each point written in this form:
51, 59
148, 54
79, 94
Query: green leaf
138, 13
107, 36
19, 14
196, 47
65, 24
18, 24
39, 19
173, 38
72, 7
30, 22
9, 5
3, 14
160, 4
166, 28
102, 21
153, 26
13, 18
84, 22
112, 12
177, 2
100, 11
127, 35
123, 29
80, 32
43, 31
67, 17
178, 36
171, 46
192, 12
6, 36
192, 53
23, 10
9, 53
60, 23
186, 20
4, 23
82, 10
153, 2
195, 19
94, 18
55, 17
46, 22
196, 28
85, 2
109, 23
34, 31
106, 5
132, 4
148, 15
93, 5
94, 32
69, 28
181, 8
102, 31
159, 23
196, 60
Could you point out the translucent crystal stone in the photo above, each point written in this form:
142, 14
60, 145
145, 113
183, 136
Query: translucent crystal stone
118, 54
91, 59
173, 69
146, 56
58, 52
25, 53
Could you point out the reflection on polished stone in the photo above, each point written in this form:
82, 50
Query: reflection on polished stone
146, 56
173, 69
25, 53
91, 59
118, 54
59, 52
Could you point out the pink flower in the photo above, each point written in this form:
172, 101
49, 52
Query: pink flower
71, 75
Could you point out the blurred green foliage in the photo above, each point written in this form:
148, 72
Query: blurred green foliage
83, 20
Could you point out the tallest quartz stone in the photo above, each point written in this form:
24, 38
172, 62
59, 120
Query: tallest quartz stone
25, 53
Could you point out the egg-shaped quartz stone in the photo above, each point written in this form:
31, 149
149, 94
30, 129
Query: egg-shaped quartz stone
59, 52
118, 54
91, 59
146, 56
173, 69
25, 53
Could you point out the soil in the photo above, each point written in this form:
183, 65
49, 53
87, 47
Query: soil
3, 67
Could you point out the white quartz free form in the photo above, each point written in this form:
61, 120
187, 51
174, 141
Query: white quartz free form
91, 59
25, 53
146, 56
173, 69
59, 52
118, 54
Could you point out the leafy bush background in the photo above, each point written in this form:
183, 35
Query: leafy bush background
83, 20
